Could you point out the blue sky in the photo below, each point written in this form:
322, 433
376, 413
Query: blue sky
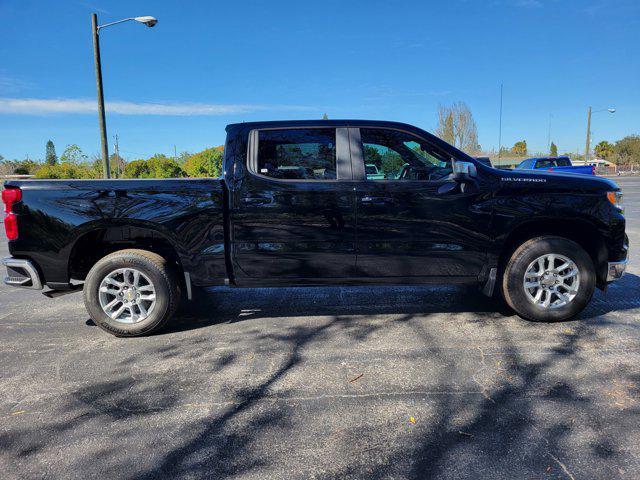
210, 63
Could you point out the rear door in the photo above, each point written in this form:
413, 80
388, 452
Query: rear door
293, 213
417, 221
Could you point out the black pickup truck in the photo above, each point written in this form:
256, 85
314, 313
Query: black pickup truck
295, 206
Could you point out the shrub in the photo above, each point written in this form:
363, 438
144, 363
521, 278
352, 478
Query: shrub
162, 167
66, 170
137, 169
158, 166
207, 163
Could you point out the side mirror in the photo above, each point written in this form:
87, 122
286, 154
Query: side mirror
463, 170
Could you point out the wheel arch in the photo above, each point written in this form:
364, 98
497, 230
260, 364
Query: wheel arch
97, 241
583, 232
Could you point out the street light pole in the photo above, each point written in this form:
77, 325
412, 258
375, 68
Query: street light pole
589, 112
101, 119
588, 147
149, 22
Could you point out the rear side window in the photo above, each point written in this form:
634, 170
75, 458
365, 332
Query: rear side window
297, 154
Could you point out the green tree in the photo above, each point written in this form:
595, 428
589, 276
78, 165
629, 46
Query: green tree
519, 148
604, 150
553, 150
372, 156
116, 165
160, 166
183, 157
73, 154
137, 169
627, 150
392, 164
207, 163
50, 154
66, 170
325, 116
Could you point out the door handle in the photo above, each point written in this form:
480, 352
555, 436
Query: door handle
257, 200
375, 200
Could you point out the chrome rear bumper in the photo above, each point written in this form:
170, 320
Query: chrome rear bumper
21, 273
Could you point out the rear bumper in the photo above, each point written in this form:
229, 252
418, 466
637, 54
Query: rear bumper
21, 273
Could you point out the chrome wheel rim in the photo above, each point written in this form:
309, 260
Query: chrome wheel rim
551, 281
127, 295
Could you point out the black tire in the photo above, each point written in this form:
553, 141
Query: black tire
513, 289
156, 269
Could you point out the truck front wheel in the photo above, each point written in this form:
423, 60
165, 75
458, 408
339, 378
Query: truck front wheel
548, 279
131, 292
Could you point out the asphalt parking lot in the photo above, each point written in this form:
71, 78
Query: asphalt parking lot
381, 382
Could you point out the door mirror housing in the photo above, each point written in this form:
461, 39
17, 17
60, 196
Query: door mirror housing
462, 170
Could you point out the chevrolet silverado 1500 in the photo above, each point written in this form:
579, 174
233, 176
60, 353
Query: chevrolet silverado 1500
297, 205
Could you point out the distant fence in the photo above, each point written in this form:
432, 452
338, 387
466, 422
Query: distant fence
16, 177
618, 170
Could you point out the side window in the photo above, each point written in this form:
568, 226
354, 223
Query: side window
395, 155
297, 154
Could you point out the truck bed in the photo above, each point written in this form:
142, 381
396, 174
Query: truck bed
59, 219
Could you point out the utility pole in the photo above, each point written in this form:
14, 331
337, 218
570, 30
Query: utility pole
101, 119
500, 127
175, 154
588, 147
117, 157
549, 136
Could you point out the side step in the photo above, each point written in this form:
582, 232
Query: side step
72, 288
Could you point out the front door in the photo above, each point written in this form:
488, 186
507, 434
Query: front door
293, 212
414, 219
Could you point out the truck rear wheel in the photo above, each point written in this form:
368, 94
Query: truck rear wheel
131, 292
549, 279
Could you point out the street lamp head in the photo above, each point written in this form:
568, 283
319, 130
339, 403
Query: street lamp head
611, 110
148, 21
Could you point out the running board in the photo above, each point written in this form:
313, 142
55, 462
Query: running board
59, 293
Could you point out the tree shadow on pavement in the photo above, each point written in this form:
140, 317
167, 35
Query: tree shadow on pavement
381, 382
220, 305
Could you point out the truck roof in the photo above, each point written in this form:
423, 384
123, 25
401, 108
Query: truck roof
328, 123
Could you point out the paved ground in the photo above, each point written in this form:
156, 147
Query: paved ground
326, 383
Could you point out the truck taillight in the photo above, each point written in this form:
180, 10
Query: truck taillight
11, 195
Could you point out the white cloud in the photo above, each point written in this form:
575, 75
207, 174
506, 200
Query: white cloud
37, 106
